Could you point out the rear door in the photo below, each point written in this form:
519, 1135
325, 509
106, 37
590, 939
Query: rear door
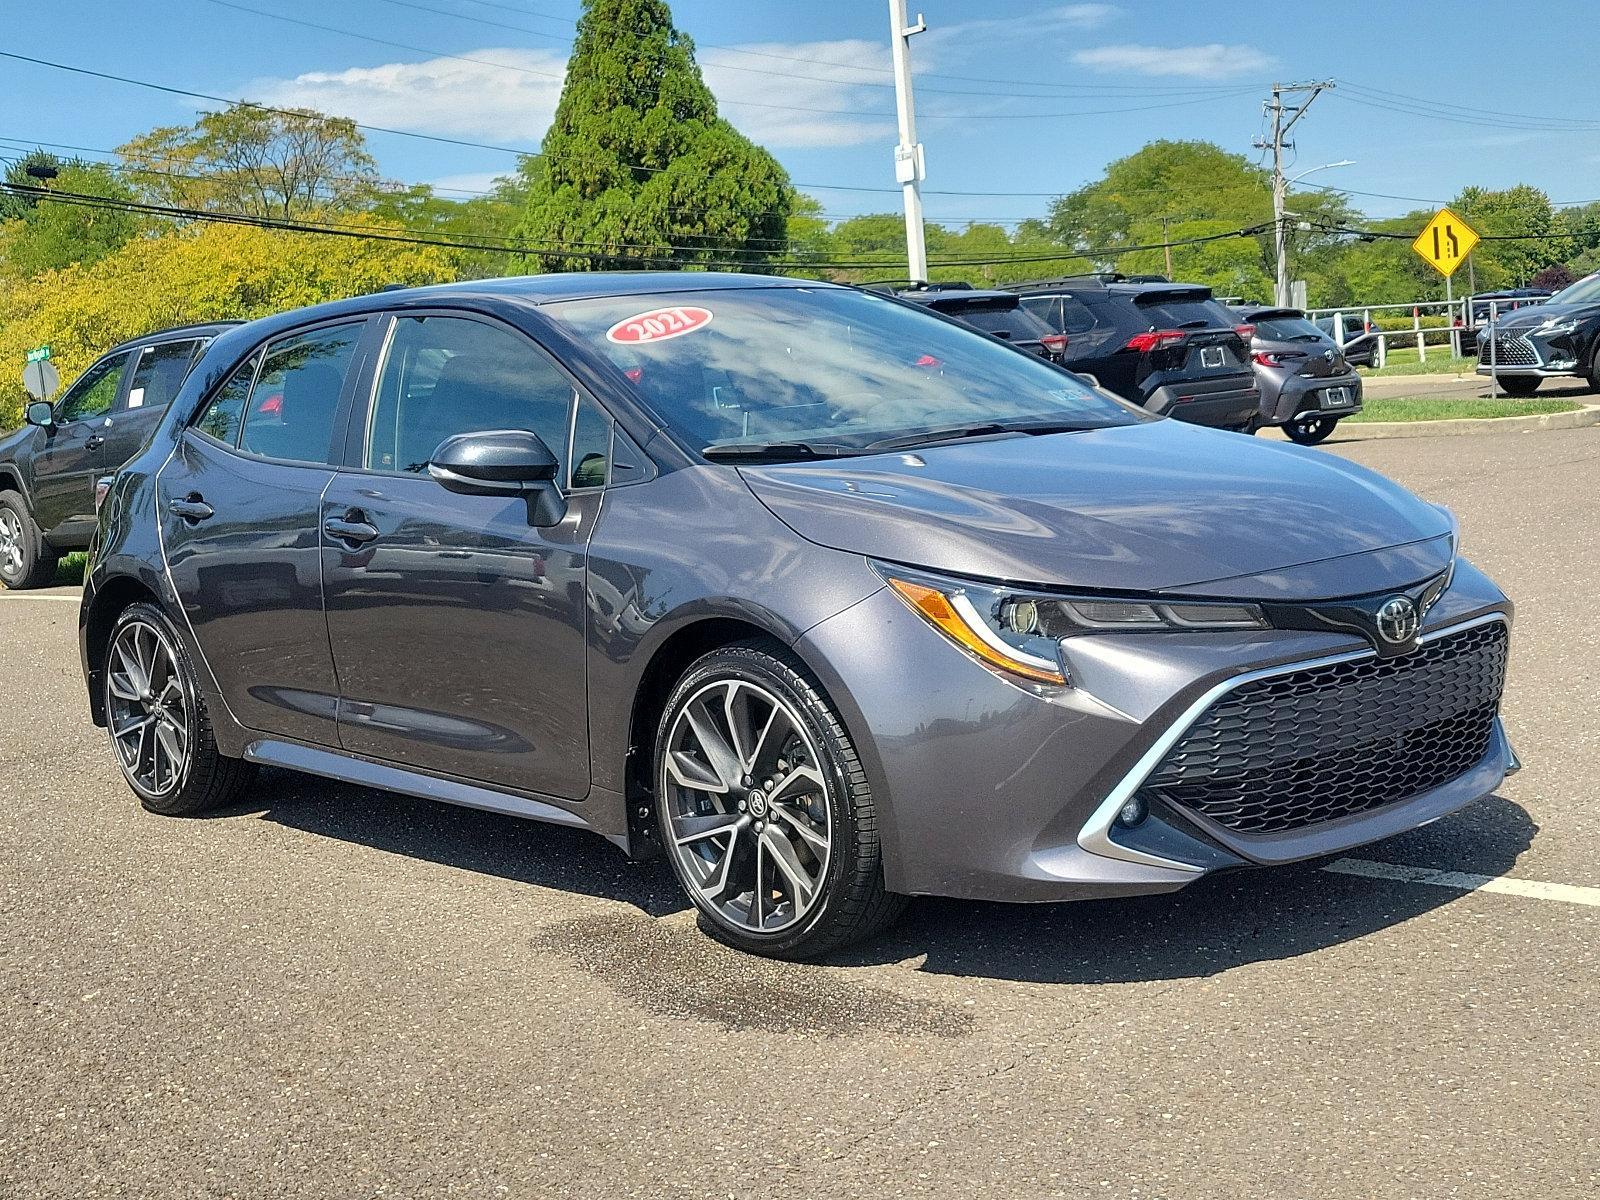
153, 380
241, 503
67, 461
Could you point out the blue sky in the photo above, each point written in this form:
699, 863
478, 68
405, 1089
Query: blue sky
1016, 100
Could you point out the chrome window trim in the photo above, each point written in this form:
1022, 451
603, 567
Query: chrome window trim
1095, 836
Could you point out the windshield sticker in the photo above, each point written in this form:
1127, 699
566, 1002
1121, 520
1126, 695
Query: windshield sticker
658, 325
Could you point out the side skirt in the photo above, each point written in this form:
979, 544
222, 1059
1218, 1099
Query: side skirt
347, 768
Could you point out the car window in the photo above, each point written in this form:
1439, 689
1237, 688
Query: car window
1179, 312
447, 375
160, 372
292, 406
1015, 323
591, 445
94, 392
221, 417
1287, 329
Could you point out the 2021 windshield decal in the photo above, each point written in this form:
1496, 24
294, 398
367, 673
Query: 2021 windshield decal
659, 324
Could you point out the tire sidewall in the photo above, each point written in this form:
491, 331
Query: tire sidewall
755, 665
148, 614
13, 502
1303, 433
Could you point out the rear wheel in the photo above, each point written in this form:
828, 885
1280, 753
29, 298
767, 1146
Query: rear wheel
156, 716
25, 560
1519, 385
1310, 428
764, 809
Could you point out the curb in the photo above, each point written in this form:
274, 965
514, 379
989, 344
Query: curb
1581, 418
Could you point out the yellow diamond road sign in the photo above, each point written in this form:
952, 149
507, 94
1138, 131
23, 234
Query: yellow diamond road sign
1445, 242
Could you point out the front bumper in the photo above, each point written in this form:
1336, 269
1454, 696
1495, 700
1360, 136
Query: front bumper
1525, 354
988, 791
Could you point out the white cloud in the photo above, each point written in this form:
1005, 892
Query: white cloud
952, 40
837, 75
510, 95
444, 96
470, 181
1211, 61
1081, 16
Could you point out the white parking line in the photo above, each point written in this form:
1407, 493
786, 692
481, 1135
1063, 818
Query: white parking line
1465, 881
7, 595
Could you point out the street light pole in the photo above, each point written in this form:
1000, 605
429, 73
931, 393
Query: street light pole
909, 168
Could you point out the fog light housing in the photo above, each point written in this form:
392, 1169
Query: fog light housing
1132, 812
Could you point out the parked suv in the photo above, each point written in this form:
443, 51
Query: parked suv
1558, 339
726, 568
1169, 347
1000, 314
48, 468
1306, 384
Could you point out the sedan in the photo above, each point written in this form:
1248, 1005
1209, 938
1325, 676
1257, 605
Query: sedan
824, 598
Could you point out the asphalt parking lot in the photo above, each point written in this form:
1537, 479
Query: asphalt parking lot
332, 992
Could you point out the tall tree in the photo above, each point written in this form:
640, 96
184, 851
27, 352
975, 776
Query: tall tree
265, 162
38, 235
637, 163
1520, 212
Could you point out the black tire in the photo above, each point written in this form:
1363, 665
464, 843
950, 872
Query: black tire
26, 560
207, 778
1520, 385
1593, 374
1310, 428
1249, 428
850, 903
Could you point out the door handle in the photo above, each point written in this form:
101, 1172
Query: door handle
192, 508
93, 442
350, 528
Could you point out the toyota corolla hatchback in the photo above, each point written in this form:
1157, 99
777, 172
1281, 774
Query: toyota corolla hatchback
826, 598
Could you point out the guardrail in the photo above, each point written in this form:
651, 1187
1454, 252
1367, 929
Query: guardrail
1459, 313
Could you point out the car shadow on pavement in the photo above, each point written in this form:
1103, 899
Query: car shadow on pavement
1224, 921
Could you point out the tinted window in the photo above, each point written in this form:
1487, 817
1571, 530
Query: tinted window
221, 417
1014, 323
94, 392
1177, 313
826, 364
160, 372
591, 445
1288, 329
296, 397
448, 375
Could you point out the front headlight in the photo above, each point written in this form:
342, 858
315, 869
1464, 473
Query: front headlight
1554, 328
1019, 632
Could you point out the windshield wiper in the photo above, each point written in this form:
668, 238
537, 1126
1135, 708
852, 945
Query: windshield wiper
737, 450
956, 432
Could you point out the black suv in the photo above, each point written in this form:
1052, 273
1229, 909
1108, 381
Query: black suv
1170, 347
1000, 314
48, 468
1557, 339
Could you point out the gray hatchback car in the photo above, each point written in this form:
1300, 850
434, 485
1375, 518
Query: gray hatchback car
828, 599
1307, 385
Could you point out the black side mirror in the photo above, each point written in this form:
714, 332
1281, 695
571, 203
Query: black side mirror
502, 462
41, 413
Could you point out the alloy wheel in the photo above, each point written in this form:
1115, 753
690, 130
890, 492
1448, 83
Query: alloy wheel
147, 709
746, 802
11, 544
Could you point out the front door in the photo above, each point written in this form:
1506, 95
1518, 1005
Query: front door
457, 628
67, 461
240, 508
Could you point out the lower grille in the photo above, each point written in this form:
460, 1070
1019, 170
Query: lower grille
1294, 750
1512, 351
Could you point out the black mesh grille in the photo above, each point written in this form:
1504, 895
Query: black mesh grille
1298, 749
1513, 351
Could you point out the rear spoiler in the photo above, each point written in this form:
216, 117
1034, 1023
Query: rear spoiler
1168, 295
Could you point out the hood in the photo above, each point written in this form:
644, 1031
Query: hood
1531, 315
1151, 507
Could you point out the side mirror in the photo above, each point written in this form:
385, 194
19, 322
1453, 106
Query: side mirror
502, 462
41, 413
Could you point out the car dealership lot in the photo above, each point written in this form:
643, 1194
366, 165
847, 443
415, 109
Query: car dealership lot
330, 991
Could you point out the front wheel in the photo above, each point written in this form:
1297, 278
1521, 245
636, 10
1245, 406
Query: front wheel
764, 809
157, 718
1519, 385
1310, 428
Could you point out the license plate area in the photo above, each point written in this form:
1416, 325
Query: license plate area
1211, 356
1336, 397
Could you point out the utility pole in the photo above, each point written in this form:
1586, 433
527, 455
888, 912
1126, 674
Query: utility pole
1166, 244
909, 169
1277, 110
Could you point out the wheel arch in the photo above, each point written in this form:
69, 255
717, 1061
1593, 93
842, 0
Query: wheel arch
110, 598
11, 481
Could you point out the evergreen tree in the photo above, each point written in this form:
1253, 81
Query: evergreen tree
637, 164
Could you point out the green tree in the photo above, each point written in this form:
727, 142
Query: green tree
1517, 212
48, 235
266, 162
637, 163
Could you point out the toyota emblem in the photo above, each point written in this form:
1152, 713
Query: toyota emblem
1397, 621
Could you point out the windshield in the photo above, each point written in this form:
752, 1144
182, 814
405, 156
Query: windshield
1585, 291
828, 366
1288, 329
